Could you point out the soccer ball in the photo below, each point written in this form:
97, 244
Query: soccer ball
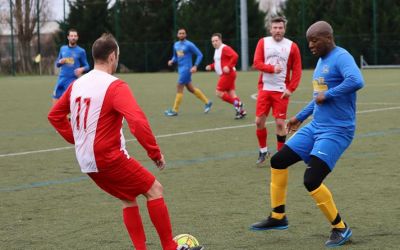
186, 239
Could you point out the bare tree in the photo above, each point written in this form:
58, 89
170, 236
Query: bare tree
26, 18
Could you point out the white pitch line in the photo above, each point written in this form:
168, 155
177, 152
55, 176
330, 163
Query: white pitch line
179, 134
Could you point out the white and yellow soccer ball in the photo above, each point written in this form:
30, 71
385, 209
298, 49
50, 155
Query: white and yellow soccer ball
187, 240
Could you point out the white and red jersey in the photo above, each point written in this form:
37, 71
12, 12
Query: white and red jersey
285, 53
224, 56
98, 102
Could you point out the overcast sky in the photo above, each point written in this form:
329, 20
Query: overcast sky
57, 8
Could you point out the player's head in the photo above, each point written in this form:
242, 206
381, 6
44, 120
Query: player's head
277, 27
105, 51
72, 37
181, 34
320, 38
216, 40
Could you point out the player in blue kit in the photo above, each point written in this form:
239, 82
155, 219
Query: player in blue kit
321, 142
73, 62
183, 52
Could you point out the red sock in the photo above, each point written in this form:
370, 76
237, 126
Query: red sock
158, 212
262, 137
134, 225
227, 98
280, 141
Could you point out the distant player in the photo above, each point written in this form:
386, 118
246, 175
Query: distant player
225, 59
183, 52
73, 63
322, 141
279, 61
98, 102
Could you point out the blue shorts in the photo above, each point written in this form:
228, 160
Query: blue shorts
185, 76
61, 86
326, 144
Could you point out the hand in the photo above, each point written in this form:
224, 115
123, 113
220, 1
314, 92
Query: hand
208, 67
160, 164
193, 69
286, 94
170, 63
320, 98
226, 69
62, 61
292, 125
277, 68
79, 71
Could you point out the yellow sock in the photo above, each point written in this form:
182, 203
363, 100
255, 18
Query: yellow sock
197, 92
278, 187
324, 200
178, 100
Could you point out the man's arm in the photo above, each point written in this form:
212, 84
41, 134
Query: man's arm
59, 61
197, 52
306, 111
353, 79
232, 55
210, 66
58, 116
296, 68
258, 62
174, 57
84, 62
125, 103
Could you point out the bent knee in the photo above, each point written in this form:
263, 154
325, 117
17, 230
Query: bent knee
156, 191
278, 161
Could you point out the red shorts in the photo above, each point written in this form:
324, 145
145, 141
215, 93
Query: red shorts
125, 181
271, 99
226, 82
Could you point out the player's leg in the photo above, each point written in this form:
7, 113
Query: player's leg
159, 215
324, 155
278, 188
177, 102
298, 148
279, 111
133, 224
263, 106
199, 94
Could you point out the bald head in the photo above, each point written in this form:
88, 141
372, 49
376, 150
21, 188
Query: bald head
320, 38
320, 28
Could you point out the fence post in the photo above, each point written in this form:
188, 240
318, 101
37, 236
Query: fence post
12, 40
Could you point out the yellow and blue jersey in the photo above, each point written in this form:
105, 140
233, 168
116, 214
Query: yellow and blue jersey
338, 76
183, 52
75, 58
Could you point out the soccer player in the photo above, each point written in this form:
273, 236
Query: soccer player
321, 142
225, 59
98, 102
279, 61
73, 62
183, 52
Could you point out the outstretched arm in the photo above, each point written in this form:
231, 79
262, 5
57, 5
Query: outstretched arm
125, 103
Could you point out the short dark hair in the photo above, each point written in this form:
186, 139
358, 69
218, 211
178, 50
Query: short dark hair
72, 30
278, 19
104, 46
219, 35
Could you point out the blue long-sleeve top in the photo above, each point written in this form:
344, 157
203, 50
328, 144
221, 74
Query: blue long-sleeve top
183, 52
75, 58
338, 76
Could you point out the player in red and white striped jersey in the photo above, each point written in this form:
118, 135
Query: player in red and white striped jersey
98, 102
225, 59
279, 61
